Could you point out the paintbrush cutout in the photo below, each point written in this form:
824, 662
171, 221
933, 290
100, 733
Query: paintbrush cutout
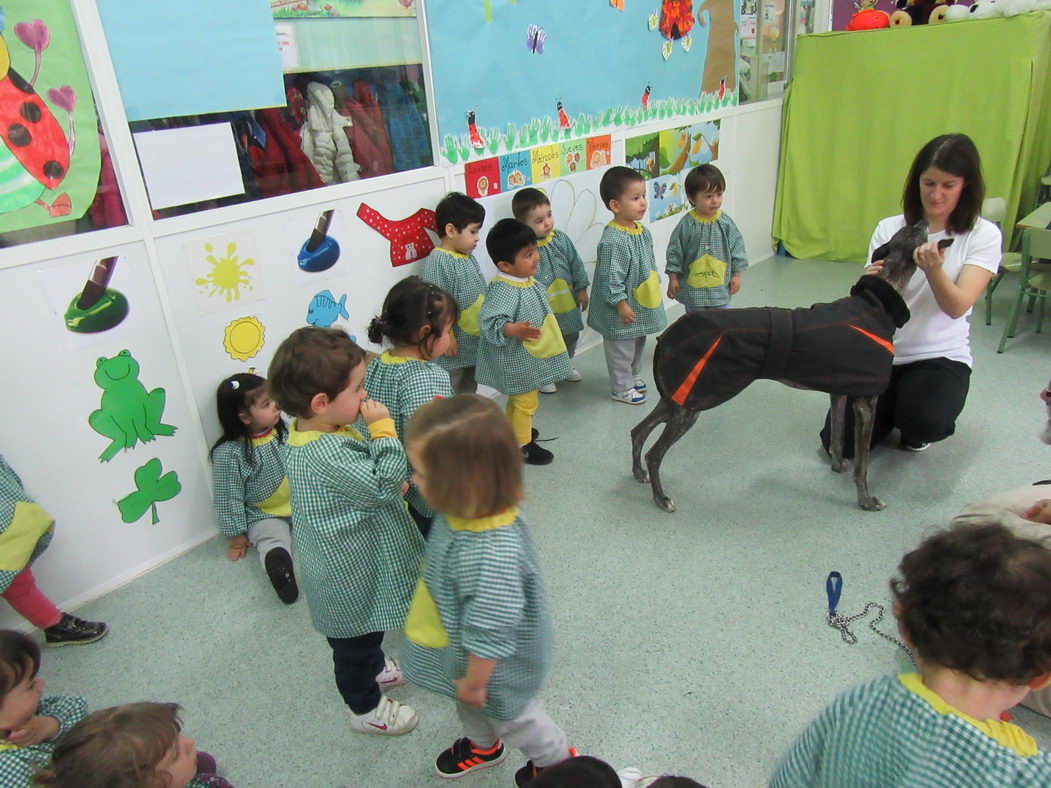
97, 283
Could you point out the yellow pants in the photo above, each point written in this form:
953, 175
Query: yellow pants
520, 410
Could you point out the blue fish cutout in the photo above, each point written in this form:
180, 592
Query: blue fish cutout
324, 310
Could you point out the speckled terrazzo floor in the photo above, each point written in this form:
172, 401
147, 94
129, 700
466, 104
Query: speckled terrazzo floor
692, 643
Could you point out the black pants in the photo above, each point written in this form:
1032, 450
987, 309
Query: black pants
923, 400
357, 662
423, 522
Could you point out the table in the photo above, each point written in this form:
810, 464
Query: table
1040, 218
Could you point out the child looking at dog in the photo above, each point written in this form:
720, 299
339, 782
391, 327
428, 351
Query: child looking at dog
359, 550
140, 744
522, 347
250, 490
974, 603
451, 266
417, 319
479, 630
560, 270
705, 247
30, 722
626, 300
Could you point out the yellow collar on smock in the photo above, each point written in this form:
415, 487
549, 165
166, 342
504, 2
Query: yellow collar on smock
490, 523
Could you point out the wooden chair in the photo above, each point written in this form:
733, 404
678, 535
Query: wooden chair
1033, 283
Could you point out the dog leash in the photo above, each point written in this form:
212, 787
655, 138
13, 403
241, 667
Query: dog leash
834, 589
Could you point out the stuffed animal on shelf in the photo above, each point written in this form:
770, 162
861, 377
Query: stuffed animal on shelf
919, 12
866, 17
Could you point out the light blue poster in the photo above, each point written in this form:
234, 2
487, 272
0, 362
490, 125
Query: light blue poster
511, 75
193, 57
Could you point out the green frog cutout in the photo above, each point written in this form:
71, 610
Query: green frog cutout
128, 412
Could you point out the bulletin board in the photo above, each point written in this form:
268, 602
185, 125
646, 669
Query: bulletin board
509, 74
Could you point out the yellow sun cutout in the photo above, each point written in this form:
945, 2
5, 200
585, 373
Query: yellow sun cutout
243, 338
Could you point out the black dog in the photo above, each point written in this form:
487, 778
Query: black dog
843, 348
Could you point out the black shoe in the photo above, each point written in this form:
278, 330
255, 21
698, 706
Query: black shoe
536, 455
73, 631
279, 569
911, 445
534, 434
463, 757
525, 775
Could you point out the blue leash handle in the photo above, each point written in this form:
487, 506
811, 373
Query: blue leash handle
834, 588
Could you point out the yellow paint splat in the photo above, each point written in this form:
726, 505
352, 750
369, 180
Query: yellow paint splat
228, 273
244, 338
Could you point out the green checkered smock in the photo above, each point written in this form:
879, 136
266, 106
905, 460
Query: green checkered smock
697, 250
561, 272
404, 385
19, 764
358, 549
25, 527
244, 493
459, 275
895, 732
510, 365
484, 577
626, 269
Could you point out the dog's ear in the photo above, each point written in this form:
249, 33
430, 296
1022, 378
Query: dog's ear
881, 253
944, 243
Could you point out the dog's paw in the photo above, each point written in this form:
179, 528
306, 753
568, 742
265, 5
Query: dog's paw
641, 475
871, 504
665, 503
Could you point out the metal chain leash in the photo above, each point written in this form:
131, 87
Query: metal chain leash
834, 587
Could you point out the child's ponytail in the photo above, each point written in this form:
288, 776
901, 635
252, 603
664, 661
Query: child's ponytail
233, 398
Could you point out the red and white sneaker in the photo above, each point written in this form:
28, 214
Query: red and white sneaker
390, 676
389, 718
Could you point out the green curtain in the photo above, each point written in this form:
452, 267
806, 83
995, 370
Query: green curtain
861, 105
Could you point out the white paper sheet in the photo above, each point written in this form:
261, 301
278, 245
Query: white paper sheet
189, 165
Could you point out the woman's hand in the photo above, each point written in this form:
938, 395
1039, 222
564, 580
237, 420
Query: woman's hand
928, 256
874, 267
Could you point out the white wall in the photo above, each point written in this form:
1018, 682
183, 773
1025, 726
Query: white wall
176, 335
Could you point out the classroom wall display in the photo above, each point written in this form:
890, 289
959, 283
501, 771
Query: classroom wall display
47, 172
306, 9
324, 310
128, 413
675, 150
244, 337
223, 271
553, 71
665, 197
410, 238
151, 487
538, 165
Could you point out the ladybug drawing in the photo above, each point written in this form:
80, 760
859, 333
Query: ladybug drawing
35, 152
675, 22
646, 98
563, 118
472, 131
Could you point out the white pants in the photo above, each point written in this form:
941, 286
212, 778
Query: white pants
532, 732
268, 534
623, 361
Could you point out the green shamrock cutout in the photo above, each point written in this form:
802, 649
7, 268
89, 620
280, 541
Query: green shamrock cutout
151, 489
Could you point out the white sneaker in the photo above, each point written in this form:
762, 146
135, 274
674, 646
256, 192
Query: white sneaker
389, 718
640, 385
574, 376
390, 676
550, 388
630, 777
631, 397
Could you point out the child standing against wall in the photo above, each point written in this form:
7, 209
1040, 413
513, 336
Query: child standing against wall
522, 347
250, 490
479, 630
560, 270
30, 722
358, 549
706, 251
451, 266
626, 301
417, 319
25, 532
974, 603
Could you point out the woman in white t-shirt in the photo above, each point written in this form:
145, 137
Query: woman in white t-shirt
932, 358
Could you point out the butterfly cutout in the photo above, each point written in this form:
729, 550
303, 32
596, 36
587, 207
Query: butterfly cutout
659, 190
536, 36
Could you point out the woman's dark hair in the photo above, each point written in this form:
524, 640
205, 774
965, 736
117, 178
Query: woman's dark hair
459, 210
410, 306
234, 397
977, 600
19, 659
507, 238
957, 155
705, 178
118, 747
